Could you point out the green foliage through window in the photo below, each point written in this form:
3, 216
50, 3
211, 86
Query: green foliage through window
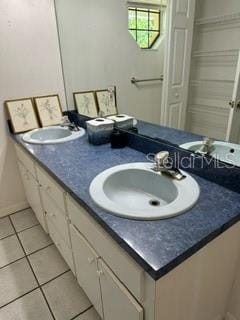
144, 26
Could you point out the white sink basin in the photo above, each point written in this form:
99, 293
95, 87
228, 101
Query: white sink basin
135, 191
52, 135
224, 151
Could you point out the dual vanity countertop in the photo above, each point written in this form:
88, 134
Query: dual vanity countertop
158, 246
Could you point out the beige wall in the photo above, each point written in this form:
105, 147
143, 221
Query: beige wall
29, 65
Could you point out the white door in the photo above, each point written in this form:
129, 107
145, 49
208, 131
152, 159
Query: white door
233, 130
177, 62
118, 303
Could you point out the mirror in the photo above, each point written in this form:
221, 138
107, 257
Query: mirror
172, 64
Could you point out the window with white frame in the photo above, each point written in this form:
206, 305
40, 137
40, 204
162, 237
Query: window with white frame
145, 23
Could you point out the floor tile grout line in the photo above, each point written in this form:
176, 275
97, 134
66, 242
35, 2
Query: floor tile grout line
25, 255
9, 264
58, 276
10, 214
36, 251
10, 235
89, 308
27, 258
35, 225
23, 295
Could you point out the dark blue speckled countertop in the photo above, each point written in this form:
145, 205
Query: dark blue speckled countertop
158, 246
174, 136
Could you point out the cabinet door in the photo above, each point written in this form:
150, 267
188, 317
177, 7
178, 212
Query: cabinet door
86, 268
118, 303
58, 216
65, 251
32, 190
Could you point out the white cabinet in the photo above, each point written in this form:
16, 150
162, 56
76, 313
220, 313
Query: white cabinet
52, 188
26, 160
125, 268
65, 251
57, 215
108, 295
32, 191
118, 303
86, 269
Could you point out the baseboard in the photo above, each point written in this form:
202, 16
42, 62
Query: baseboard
229, 316
14, 208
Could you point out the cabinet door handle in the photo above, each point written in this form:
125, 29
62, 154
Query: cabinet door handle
100, 273
90, 260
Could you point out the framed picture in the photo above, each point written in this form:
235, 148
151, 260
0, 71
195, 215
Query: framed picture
49, 110
86, 104
106, 102
22, 115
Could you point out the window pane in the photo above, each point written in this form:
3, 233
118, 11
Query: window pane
133, 33
142, 39
132, 19
154, 21
142, 20
153, 37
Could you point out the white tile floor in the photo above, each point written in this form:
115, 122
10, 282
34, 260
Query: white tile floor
36, 283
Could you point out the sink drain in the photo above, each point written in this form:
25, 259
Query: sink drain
154, 203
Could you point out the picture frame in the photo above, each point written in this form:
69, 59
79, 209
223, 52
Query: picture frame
86, 103
49, 110
22, 115
107, 104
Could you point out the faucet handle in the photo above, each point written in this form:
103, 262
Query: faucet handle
161, 158
208, 141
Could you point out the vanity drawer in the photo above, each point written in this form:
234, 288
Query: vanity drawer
26, 160
120, 262
57, 216
65, 251
54, 191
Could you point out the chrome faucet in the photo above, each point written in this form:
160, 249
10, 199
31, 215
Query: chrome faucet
71, 125
207, 147
163, 165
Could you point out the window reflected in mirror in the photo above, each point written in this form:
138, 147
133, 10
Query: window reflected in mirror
144, 24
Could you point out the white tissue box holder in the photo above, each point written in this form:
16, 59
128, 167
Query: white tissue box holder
99, 130
123, 121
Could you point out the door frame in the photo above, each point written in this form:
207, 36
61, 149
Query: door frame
164, 120
233, 130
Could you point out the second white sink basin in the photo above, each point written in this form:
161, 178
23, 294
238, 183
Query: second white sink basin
135, 191
52, 135
223, 151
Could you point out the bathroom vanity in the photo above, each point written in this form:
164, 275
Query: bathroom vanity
173, 269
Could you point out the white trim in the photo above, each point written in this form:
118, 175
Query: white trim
225, 19
146, 3
229, 316
14, 208
209, 81
219, 53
